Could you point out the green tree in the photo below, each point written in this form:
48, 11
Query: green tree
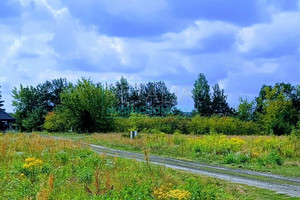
277, 112
159, 100
32, 103
122, 93
88, 105
219, 103
245, 110
277, 107
28, 108
201, 96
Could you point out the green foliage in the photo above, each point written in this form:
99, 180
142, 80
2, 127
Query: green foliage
122, 93
74, 172
224, 125
236, 158
58, 121
33, 103
278, 108
201, 96
87, 105
219, 104
273, 158
277, 111
85, 175
197, 125
152, 98
245, 110
62, 156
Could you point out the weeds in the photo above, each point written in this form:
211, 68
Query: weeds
43, 168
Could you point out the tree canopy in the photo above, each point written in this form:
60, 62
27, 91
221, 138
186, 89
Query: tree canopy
32, 103
201, 95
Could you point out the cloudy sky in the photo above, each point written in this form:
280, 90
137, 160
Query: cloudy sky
240, 44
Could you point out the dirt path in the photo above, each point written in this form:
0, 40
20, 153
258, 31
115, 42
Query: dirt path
279, 184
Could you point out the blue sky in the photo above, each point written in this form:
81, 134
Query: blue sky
238, 44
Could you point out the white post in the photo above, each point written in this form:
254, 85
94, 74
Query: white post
131, 135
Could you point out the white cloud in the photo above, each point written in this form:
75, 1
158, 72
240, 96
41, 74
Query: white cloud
201, 30
279, 37
48, 42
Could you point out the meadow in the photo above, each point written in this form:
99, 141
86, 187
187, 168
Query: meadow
276, 154
35, 167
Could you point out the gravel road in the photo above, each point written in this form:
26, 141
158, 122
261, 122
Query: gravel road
279, 184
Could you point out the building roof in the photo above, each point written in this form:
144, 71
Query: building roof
6, 117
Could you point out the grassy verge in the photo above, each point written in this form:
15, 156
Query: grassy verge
33, 167
279, 155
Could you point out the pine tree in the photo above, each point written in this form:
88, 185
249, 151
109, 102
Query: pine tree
219, 104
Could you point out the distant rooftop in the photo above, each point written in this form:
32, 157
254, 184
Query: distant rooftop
5, 116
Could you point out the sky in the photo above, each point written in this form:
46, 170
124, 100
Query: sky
239, 44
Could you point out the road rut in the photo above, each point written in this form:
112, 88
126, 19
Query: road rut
277, 183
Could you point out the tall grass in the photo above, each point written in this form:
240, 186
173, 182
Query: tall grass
34, 167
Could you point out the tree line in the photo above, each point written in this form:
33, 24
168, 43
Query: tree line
59, 105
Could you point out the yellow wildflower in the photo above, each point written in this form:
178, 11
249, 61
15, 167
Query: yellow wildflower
179, 194
32, 163
165, 192
28, 160
22, 175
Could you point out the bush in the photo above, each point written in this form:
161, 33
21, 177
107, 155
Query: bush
272, 158
236, 158
197, 125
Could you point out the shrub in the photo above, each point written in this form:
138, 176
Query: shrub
236, 158
272, 158
197, 125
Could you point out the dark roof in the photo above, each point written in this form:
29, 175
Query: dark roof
6, 117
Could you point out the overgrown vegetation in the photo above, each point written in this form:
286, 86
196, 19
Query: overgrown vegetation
32, 167
279, 155
93, 107
197, 125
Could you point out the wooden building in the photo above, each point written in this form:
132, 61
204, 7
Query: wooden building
6, 121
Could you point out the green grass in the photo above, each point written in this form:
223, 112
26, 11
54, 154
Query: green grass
72, 171
266, 163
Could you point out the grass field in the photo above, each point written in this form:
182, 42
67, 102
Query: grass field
276, 154
34, 167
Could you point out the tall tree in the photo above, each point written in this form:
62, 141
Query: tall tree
201, 96
159, 100
122, 93
26, 101
152, 98
87, 104
33, 103
219, 103
137, 98
278, 108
